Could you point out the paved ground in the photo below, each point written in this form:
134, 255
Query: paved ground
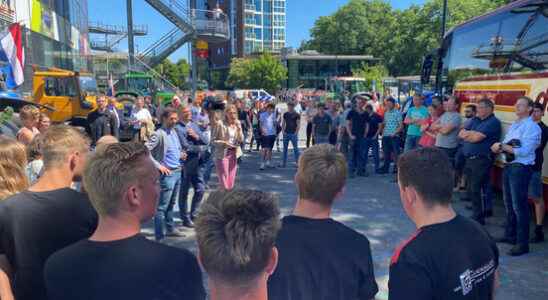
372, 206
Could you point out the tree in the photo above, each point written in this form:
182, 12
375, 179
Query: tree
176, 73
264, 72
399, 38
373, 76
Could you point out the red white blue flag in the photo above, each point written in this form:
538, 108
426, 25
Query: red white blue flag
12, 53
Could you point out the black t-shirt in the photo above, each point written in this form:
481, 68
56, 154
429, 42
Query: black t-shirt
132, 268
359, 120
291, 120
34, 225
321, 260
374, 121
452, 260
242, 116
539, 153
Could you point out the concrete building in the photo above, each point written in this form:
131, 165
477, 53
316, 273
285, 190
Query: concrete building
310, 69
255, 26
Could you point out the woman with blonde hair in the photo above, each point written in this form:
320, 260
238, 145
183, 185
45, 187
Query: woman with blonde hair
13, 161
227, 138
29, 115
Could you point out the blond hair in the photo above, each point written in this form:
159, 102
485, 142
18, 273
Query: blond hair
13, 161
59, 141
29, 112
321, 174
110, 172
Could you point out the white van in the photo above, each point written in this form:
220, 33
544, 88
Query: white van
255, 95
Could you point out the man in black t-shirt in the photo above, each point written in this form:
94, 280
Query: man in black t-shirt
321, 125
449, 257
535, 184
290, 127
235, 232
48, 216
320, 258
117, 262
372, 137
358, 126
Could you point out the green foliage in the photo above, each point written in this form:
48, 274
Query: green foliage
264, 72
400, 38
177, 73
373, 76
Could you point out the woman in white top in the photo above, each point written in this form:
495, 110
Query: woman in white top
141, 120
29, 115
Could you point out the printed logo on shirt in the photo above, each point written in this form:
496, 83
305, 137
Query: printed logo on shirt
469, 278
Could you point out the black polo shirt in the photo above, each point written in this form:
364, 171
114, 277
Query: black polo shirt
490, 127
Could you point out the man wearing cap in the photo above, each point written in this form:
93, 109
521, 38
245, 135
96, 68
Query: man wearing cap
391, 128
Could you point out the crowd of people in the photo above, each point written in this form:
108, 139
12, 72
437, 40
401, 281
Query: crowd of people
72, 203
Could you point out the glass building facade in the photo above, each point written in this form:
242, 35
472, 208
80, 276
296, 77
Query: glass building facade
264, 26
56, 34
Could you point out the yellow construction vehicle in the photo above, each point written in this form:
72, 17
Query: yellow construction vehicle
70, 95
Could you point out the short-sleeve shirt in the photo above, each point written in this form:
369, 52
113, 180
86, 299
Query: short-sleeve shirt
359, 121
33, 226
172, 158
311, 267
452, 261
539, 152
130, 268
291, 120
451, 139
322, 124
491, 128
416, 113
374, 121
392, 121
268, 122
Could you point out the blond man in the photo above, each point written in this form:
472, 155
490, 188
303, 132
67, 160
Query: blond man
313, 246
48, 216
117, 261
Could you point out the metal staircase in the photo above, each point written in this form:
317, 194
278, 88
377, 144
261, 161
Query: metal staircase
212, 26
166, 45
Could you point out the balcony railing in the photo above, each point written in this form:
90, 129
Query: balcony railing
211, 25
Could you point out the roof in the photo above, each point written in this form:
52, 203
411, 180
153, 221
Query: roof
329, 57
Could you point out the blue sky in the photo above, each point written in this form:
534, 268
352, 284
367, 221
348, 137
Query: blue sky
301, 15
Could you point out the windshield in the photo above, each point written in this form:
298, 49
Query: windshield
140, 84
513, 41
88, 84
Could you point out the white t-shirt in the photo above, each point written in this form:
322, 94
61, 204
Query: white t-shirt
141, 115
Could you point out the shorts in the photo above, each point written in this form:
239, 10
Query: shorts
535, 185
267, 141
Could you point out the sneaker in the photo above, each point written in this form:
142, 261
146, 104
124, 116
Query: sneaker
539, 235
261, 167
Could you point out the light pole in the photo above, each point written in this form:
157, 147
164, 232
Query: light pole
439, 69
130, 46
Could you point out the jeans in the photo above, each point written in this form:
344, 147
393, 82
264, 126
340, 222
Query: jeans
293, 138
391, 149
515, 193
411, 142
209, 166
169, 193
477, 173
309, 134
451, 153
194, 177
372, 143
358, 159
321, 139
487, 194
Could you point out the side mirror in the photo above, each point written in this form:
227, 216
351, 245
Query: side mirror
86, 104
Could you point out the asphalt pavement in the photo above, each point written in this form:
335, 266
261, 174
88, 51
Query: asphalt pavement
371, 205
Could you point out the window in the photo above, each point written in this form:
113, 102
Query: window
258, 34
258, 20
59, 86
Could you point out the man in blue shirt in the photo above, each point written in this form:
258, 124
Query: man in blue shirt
477, 137
166, 153
195, 144
518, 146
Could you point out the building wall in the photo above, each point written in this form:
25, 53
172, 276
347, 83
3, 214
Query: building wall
264, 26
56, 34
